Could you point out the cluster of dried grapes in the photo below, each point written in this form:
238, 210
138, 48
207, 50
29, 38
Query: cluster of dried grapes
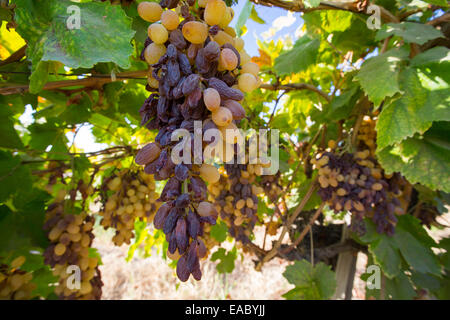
15, 284
70, 238
199, 71
357, 183
133, 197
236, 198
272, 187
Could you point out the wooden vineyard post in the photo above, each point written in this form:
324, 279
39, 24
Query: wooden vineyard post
345, 270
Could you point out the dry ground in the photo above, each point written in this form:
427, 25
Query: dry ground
152, 278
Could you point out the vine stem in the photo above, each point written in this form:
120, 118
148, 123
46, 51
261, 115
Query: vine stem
305, 230
295, 86
297, 6
93, 81
273, 252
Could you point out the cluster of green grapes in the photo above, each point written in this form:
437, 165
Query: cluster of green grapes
199, 72
357, 183
71, 238
133, 197
15, 284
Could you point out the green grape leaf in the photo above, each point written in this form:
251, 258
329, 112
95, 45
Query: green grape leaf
14, 176
299, 58
311, 282
104, 35
442, 3
342, 106
311, 3
411, 32
421, 159
219, 231
418, 256
434, 55
10, 138
379, 76
226, 264
400, 288
243, 17
78, 111
413, 112
255, 17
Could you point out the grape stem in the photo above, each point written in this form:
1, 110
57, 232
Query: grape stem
273, 252
305, 230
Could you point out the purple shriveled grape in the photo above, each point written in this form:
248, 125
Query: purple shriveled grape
161, 215
171, 220
191, 83
193, 224
181, 235
182, 270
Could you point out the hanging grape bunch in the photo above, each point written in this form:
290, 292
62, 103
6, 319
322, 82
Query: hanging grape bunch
199, 71
70, 238
356, 183
15, 284
236, 198
133, 197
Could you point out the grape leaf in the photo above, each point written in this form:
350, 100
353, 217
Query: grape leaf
421, 159
255, 17
226, 264
104, 35
413, 112
299, 58
311, 282
379, 76
13, 175
243, 17
311, 3
10, 138
219, 231
400, 288
411, 32
442, 3
434, 55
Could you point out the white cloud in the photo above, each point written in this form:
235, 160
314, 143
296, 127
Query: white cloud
278, 24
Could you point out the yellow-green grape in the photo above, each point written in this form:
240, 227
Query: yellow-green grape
222, 38
158, 33
239, 44
215, 10
206, 209
152, 82
228, 59
18, 262
247, 82
195, 32
209, 173
245, 58
202, 3
153, 52
211, 98
222, 117
149, 11
250, 67
170, 20
226, 18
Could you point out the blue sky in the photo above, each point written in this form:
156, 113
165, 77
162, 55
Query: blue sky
269, 15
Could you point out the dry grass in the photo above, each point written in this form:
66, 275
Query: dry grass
152, 278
